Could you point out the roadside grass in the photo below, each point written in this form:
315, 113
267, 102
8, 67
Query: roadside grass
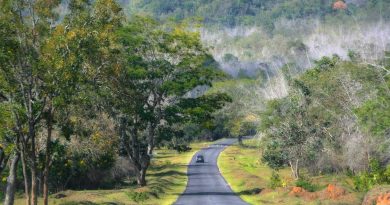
167, 179
249, 178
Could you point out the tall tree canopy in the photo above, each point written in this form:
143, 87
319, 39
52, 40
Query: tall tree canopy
150, 89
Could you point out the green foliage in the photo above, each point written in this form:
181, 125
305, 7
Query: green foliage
307, 185
363, 182
240, 117
160, 70
243, 74
288, 140
238, 12
376, 174
326, 63
324, 105
353, 56
252, 12
374, 114
139, 197
275, 181
230, 58
88, 78
273, 155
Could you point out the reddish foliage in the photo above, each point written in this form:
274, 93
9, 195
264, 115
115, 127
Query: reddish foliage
340, 5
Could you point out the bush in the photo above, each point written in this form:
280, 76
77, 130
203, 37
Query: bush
308, 186
138, 197
376, 174
275, 181
179, 148
363, 182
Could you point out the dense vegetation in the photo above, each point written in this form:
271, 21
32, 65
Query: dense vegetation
331, 128
81, 91
252, 35
253, 12
335, 119
88, 93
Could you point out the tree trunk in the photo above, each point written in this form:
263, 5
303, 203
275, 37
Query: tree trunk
152, 128
141, 177
11, 181
3, 160
297, 169
141, 172
150, 149
294, 169
34, 185
138, 156
25, 176
240, 141
47, 159
33, 167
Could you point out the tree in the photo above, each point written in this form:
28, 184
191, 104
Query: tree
6, 143
11, 181
291, 137
27, 24
80, 44
330, 121
150, 91
43, 64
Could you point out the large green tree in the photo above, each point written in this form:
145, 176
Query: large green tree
26, 25
77, 52
45, 62
151, 87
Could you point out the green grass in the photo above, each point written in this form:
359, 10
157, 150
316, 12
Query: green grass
166, 179
243, 170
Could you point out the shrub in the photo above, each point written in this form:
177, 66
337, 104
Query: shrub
308, 186
179, 148
363, 182
138, 197
377, 174
275, 181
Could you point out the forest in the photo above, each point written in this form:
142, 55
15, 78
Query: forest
263, 13
100, 96
77, 94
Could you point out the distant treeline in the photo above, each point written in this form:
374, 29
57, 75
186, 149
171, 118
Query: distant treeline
257, 12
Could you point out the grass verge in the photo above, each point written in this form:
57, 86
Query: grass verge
249, 178
167, 179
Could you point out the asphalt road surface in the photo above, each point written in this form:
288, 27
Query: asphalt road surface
206, 186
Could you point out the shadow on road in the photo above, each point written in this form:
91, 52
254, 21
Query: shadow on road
209, 194
167, 173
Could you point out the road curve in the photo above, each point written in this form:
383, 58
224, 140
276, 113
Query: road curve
206, 186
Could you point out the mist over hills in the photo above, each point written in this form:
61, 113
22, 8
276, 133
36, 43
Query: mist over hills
245, 36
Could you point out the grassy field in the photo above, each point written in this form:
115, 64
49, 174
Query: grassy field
166, 178
243, 170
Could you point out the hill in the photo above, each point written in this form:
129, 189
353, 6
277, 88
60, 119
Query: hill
252, 35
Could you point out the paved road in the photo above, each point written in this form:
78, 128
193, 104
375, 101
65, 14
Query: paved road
206, 186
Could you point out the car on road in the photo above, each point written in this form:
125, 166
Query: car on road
199, 159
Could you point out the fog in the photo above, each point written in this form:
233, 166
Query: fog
299, 42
